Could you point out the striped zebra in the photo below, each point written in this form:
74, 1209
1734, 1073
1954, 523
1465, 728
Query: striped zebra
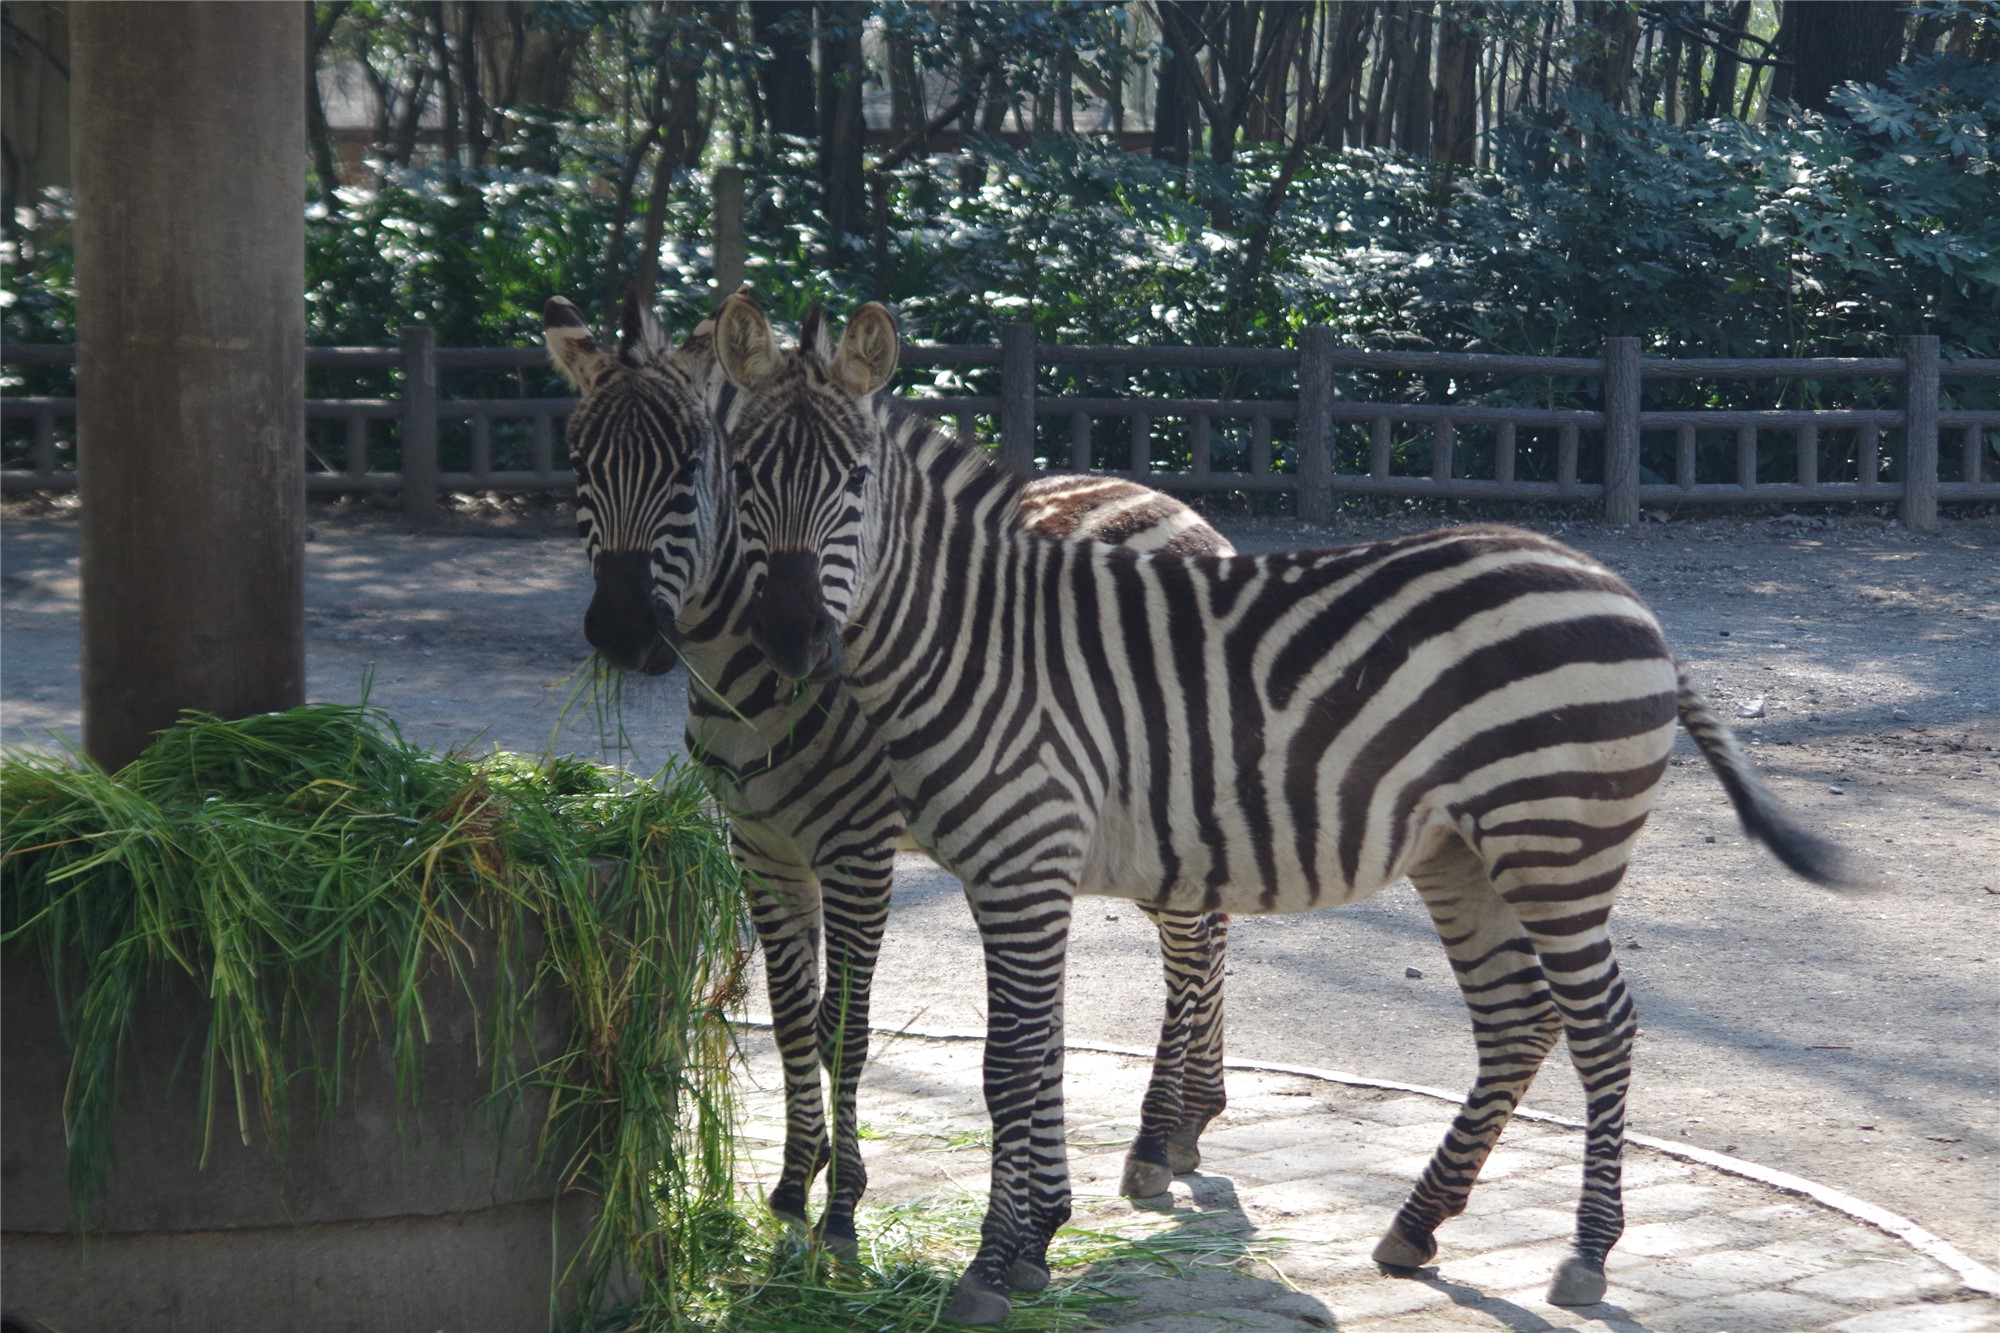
812, 811
1481, 709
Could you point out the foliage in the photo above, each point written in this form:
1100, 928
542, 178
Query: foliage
310, 862
1818, 236
472, 252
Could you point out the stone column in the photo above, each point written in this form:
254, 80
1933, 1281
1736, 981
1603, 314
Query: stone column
189, 124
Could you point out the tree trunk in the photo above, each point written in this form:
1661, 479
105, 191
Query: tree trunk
1173, 108
1455, 129
1692, 53
326, 164
1375, 120
844, 188
786, 79
1722, 87
1413, 78
473, 108
1610, 34
906, 89
447, 86
1670, 84
1346, 63
1547, 47
191, 364
1834, 42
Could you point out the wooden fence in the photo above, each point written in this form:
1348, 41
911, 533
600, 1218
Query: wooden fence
1306, 464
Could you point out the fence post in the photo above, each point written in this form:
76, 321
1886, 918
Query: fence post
1920, 432
1621, 430
1315, 501
728, 238
1017, 397
420, 468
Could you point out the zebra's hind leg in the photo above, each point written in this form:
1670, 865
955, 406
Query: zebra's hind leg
784, 908
1514, 1024
1567, 920
1186, 1088
854, 903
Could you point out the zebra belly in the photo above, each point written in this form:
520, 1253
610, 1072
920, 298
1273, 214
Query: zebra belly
1248, 873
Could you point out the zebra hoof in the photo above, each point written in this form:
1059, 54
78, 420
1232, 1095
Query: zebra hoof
1578, 1281
842, 1245
788, 1204
1399, 1253
1145, 1180
973, 1302
1183, 1150
1028, 1275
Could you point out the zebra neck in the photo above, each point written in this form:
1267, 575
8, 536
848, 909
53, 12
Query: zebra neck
944, 511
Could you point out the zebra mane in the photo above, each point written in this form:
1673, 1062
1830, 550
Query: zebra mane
951, 468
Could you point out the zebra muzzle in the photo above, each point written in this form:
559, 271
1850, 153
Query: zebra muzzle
789, 622
621, 623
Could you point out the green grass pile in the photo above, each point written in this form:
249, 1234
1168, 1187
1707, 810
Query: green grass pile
310, 862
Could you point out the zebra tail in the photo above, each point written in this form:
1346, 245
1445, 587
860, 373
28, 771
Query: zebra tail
1764, 818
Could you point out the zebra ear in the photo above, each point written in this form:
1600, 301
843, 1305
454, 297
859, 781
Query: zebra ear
572, 349
867, 356
743, 342
639, 334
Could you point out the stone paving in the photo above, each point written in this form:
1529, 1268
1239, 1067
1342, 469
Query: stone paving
1301, 1175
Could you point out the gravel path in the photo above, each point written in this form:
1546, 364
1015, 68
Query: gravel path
1849, 1039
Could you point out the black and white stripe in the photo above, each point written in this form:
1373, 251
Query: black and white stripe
813, 813
1481, 709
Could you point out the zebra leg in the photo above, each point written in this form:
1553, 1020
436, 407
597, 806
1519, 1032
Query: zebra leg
1514, 1025
1168, 1125
1572, 940
1202, 1095
1050, 1205
1025, 935
784, 908
854, 903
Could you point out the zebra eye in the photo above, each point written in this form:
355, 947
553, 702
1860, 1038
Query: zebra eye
857, 478
743, 476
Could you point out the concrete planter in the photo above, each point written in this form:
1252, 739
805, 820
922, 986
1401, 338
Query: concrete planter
388, 1214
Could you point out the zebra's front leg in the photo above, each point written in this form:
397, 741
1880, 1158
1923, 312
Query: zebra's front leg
1514, 1023
784, 908
854, 905
1186, 1088
1025, 931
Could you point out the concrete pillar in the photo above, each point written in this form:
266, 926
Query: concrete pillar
189, 147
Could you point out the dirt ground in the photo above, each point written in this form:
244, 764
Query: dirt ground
1848, 1038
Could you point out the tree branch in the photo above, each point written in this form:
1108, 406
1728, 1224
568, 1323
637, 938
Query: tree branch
968, 93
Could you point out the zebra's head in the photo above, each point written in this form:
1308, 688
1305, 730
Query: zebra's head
802, 436
639, 439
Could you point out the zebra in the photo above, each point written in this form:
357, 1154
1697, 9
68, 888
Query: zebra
1482, 709
812, 812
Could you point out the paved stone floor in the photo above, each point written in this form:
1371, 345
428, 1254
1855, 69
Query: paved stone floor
1301, 1175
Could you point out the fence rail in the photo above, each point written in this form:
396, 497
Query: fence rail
1308, 466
